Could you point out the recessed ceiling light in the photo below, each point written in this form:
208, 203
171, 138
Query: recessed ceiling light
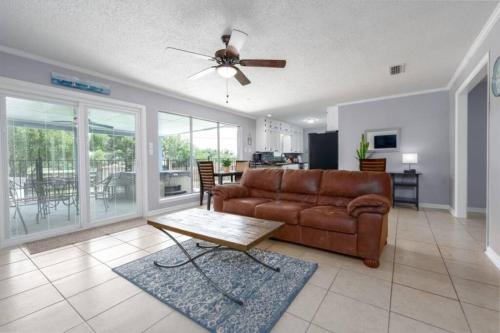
269, 115
311, 120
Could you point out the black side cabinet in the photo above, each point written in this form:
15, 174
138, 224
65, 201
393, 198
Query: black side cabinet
405, 188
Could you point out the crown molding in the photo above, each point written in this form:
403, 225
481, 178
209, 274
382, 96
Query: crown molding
144, 87
381, 98
490, 23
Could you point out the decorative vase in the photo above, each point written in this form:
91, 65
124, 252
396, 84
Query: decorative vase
226, 169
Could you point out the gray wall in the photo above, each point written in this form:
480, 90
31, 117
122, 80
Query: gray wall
476, 145
39, 72
305, 155
490, 46
423, 120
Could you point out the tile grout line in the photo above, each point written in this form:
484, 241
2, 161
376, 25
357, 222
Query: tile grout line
393, 268
421, 321
323, 299
449, 275
57, 290
156, 322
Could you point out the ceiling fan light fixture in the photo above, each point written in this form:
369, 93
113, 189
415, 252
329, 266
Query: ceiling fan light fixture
226, 71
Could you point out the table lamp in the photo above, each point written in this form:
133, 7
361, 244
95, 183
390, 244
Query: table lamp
410, 158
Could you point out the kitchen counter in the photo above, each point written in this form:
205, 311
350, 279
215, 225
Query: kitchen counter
282, 165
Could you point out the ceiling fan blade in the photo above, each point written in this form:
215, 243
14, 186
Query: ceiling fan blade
242, 79
263, 63
202, 73
199, 55
236, 42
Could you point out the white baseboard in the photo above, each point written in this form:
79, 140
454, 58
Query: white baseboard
434, 206
174, 208
494, 257
452, 211
476, 210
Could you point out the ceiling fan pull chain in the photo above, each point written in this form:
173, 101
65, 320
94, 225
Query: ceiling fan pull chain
227, 91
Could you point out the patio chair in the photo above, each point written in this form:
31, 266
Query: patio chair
103, 190
14, 202
207, 181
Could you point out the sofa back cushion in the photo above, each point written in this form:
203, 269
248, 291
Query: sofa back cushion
300, 185
262, 183
341, 186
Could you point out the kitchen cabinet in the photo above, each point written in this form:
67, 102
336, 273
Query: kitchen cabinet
274, 135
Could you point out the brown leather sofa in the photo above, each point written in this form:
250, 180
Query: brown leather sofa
340, 211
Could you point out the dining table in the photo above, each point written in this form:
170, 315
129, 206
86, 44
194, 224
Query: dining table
233, 174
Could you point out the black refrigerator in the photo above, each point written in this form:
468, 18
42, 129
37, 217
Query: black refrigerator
324, 150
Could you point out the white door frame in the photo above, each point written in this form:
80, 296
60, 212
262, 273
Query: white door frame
461, 125
36, 91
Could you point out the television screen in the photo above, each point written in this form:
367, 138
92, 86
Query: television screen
385, 141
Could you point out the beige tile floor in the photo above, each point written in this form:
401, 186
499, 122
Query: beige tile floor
434, 277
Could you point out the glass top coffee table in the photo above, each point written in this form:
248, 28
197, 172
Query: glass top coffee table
228, 232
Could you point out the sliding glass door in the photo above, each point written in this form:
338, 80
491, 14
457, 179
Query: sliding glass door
42, 166
67, 164
112, 160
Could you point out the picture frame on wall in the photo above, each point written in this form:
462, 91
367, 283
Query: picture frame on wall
495, 78
383, 140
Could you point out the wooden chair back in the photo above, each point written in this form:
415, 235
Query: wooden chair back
373, 164
206, 173
241, 166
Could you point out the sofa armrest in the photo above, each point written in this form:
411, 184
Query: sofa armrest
230, 191
369, 203
221, 193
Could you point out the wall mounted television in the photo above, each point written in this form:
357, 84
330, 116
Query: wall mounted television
383, 139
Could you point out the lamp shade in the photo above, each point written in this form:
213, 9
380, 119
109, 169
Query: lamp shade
410, 158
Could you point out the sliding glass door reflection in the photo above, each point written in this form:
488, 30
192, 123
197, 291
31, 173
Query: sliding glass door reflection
43, 165
112, 159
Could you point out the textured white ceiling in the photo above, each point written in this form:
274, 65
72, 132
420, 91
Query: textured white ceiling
336, 51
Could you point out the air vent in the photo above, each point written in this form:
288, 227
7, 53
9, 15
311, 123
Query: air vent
397, 69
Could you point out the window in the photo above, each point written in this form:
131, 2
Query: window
184, 140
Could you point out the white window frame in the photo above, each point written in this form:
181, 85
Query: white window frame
188, 196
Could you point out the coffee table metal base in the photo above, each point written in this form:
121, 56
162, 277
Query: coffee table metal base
210, 249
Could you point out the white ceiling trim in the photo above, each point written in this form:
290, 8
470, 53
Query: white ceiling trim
495, 16
381, 98
35, 57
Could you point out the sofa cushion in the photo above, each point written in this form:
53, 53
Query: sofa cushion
352, 184
243, 206
263, 179
328, 218
301, 181
281, 210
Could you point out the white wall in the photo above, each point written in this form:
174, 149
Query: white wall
490, 44
423, 120
24, 69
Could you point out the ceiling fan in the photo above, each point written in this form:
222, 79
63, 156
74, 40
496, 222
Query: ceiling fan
229, 57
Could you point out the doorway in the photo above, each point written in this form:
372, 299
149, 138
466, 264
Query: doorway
471, 146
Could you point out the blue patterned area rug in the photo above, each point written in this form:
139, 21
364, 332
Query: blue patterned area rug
266, 294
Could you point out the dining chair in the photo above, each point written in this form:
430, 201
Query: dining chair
373, 164
241, 166
207, 181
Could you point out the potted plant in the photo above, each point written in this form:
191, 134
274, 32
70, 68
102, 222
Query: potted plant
226, 163
362, 151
